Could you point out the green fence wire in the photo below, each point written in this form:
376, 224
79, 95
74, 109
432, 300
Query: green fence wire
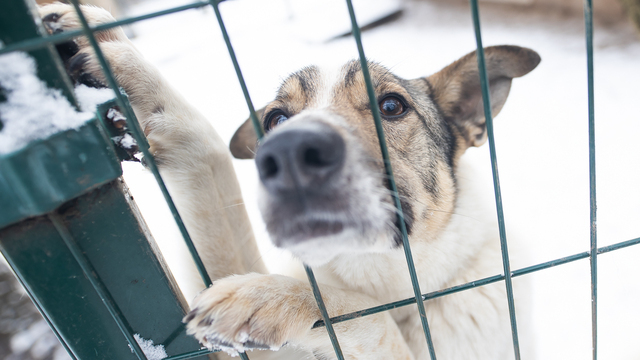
419, 298
392, 183
588, 25
484, 83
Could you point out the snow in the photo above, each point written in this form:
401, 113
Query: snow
37, 340
126, 141
32, 111
89, 98
152, 352
115, 115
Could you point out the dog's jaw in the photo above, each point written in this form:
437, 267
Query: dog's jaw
317, 236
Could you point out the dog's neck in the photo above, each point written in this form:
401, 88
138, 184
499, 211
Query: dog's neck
438, 258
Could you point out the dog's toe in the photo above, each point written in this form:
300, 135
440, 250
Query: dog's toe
246, 312
51, 23
215, 341
252, 345
67, 50
77, 70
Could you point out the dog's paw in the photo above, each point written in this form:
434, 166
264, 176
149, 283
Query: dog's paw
77, 54
60, 17
253, 311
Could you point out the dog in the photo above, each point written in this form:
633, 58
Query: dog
324, 197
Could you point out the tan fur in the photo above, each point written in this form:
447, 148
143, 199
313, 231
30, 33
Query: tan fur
191, 153
453, 237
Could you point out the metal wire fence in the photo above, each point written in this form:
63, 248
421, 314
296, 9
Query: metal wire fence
420, 299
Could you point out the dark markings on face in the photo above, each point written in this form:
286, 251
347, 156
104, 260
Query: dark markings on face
302, 82
429, 179
407, 212
378, 73
295, 93
351, 69
425, 143
451, 144
307, 80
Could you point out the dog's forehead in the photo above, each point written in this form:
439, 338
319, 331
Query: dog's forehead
318, 86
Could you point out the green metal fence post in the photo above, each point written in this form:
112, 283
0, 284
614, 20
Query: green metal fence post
588, 22
72, 234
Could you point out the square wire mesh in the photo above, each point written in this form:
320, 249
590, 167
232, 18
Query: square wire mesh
419, 298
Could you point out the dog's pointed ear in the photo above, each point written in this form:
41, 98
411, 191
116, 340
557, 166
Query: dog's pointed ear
244, 141
456, 88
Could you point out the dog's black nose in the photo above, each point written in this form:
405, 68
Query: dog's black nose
300, 160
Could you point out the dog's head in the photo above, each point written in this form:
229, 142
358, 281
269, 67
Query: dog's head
324, 191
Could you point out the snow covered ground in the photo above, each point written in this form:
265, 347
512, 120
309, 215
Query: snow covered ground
541, 137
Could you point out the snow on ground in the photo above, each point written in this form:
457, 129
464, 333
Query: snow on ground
541, 138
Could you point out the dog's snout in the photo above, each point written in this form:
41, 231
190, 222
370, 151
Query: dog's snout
303, 158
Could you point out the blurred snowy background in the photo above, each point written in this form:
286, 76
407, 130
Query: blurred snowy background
541, 134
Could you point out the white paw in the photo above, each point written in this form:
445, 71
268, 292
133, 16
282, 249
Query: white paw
253, 311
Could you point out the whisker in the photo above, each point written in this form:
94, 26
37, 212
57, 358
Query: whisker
232, 205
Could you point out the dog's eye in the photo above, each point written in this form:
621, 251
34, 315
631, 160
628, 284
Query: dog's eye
274, 119
391, 106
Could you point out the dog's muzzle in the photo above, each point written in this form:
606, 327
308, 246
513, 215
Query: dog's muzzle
301, 161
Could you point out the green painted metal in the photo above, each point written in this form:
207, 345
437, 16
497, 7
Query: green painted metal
325, 315
19, 21
42, 311
588, 22
39, 178
102, 232
484, 83
91, 274
389, 172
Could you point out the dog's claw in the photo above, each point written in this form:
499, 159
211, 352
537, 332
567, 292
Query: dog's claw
76, 69
215, 342
251, 345
50, 23
117, 118
76, 64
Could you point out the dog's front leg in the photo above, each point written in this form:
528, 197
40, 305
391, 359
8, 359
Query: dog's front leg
256, 311
193, 159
